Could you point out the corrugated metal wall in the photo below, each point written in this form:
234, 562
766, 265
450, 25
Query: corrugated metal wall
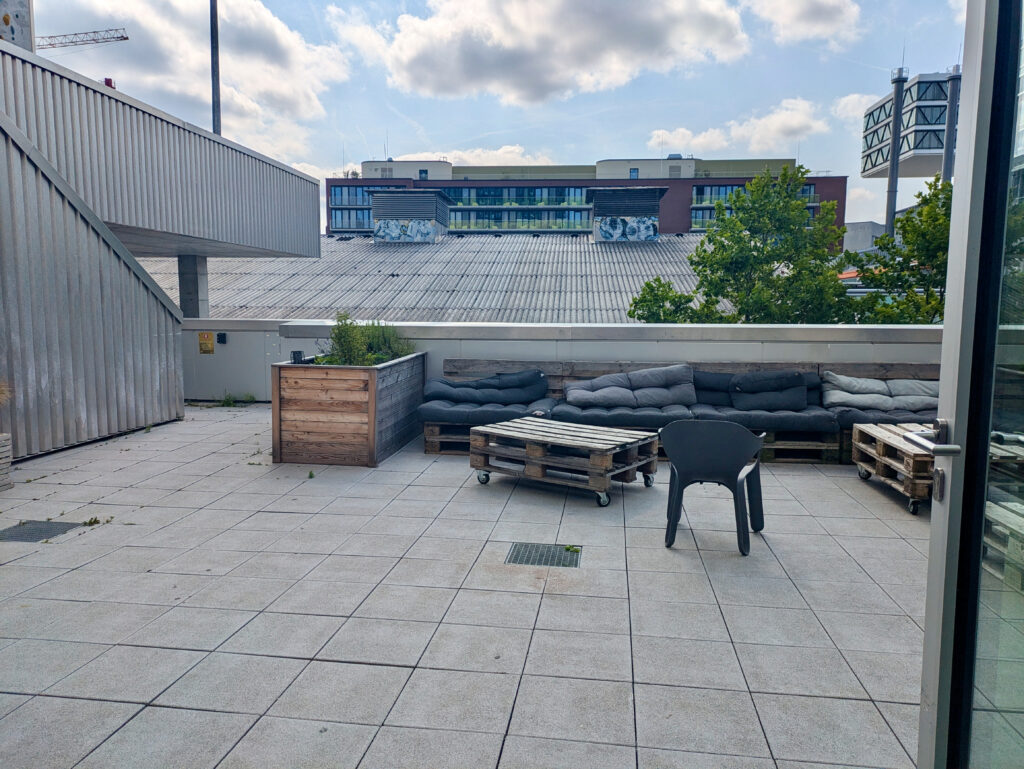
139, 167
90, 344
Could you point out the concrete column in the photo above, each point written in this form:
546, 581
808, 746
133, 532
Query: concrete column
949, 139
193, 287
899, 80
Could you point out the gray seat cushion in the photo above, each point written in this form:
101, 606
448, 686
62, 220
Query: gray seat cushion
520, 387
651, 387
810, 419
448, 412
620, 416
848, 417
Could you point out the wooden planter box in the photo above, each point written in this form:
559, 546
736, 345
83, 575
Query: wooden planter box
345, 415
5, 461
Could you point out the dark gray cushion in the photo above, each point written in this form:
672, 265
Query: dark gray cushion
790, 399
714, 397
926, 387
707, 380
810, 419
854, 384
848, 417
520, 387
915, 402
652, 387
831, 398
619, 416
766, 381
448, 412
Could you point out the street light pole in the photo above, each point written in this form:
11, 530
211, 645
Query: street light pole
215, 65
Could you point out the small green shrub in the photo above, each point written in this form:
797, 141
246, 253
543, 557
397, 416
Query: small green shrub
353, 344
248, 398
228, 401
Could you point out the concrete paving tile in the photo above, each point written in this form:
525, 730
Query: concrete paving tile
886, 571
336, 691
159, 588
299, 744
354, 506
283, 635
395, 526
698, 720
857, 527
445, 699
127, 673
499, 576
376, 544
904, 721
248, 593
31, 666
298, 503
781, 627
477, 648
380, 641
420, 572
584, 613
72, 728
26, 617
606, 583
649, 758
515, 531
413, 508
831, 567
858, 597
446, 549
215, 519
278, 565
55, 556
238, 683
184, 739
98, 622
760, 564
887, 676
536, 753
423, 604
352, 568
798, 670
495, 608
312, 597
872, 632
664, 586
80, 585
686, 662
251, 540
177, 535
212, 562
574, 709
405, 748
186, 627
460, 528
664, 559
306, 541
911, 598
678, 620
240, 500
10, 702
580, 655
829, 731
471, 511
15, 579
135, 558
753, 591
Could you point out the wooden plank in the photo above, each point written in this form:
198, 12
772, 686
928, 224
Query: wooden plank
318, 433
326, 417
527, 434
324, 407
275, 413
320, 396
371, 408
333, 373
295, 386
553, 432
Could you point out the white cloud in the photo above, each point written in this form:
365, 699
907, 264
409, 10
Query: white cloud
271, 77
791, 121
850, 108
959, 8
507, 155
793, 21
863, 204
683, 140
527, 51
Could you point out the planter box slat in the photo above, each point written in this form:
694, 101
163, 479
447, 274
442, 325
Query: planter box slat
353, 415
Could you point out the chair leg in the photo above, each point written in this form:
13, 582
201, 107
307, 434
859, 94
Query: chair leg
675, 508
754, 494
742, 533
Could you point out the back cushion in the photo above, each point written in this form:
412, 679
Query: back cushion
766, 381
769, 391
707, 380
926, 387
504, 389
915, 402
853, 384
714, 397
834, 398
657, 387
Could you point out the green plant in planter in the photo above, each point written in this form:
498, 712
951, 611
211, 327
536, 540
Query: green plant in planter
352, 344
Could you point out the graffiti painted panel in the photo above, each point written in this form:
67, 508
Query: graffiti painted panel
16, 22
629, 228
408, 230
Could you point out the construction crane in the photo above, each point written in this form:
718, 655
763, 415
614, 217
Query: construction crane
82, 38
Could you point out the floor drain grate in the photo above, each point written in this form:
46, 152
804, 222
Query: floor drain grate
35, 531
534, 554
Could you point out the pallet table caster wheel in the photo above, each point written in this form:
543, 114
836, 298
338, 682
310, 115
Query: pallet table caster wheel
864, 474
603, 500
483, 476
648, 480
913, 506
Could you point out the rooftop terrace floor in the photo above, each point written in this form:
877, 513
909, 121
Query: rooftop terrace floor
233, 613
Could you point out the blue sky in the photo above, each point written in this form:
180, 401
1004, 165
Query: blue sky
325, 83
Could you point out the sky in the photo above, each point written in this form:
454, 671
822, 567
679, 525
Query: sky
325, 84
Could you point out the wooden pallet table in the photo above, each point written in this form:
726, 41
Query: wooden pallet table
564, 454
881, 450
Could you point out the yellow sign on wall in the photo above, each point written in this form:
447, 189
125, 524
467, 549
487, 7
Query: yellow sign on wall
206, 343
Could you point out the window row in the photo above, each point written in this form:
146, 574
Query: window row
933, 90
520, 220
708, 194
357, 196
700, 219
351, 219
517, 196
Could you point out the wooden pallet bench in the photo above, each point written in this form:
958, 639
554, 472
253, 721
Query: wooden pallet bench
441, 438
801, 447
1003, 543
882, 451
564, 454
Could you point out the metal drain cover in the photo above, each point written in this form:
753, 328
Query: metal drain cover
35, 531
534, 554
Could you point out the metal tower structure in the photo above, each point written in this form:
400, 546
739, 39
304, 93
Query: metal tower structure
82, 38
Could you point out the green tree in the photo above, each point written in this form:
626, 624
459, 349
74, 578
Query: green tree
908, 272
764, 263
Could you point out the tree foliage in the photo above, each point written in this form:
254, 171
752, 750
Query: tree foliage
908, 272
764, 263
353, 344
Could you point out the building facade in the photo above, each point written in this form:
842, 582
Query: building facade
505, 199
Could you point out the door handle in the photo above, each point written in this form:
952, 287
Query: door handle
935, 441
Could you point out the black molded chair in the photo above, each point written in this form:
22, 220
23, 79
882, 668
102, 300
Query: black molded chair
713, 451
